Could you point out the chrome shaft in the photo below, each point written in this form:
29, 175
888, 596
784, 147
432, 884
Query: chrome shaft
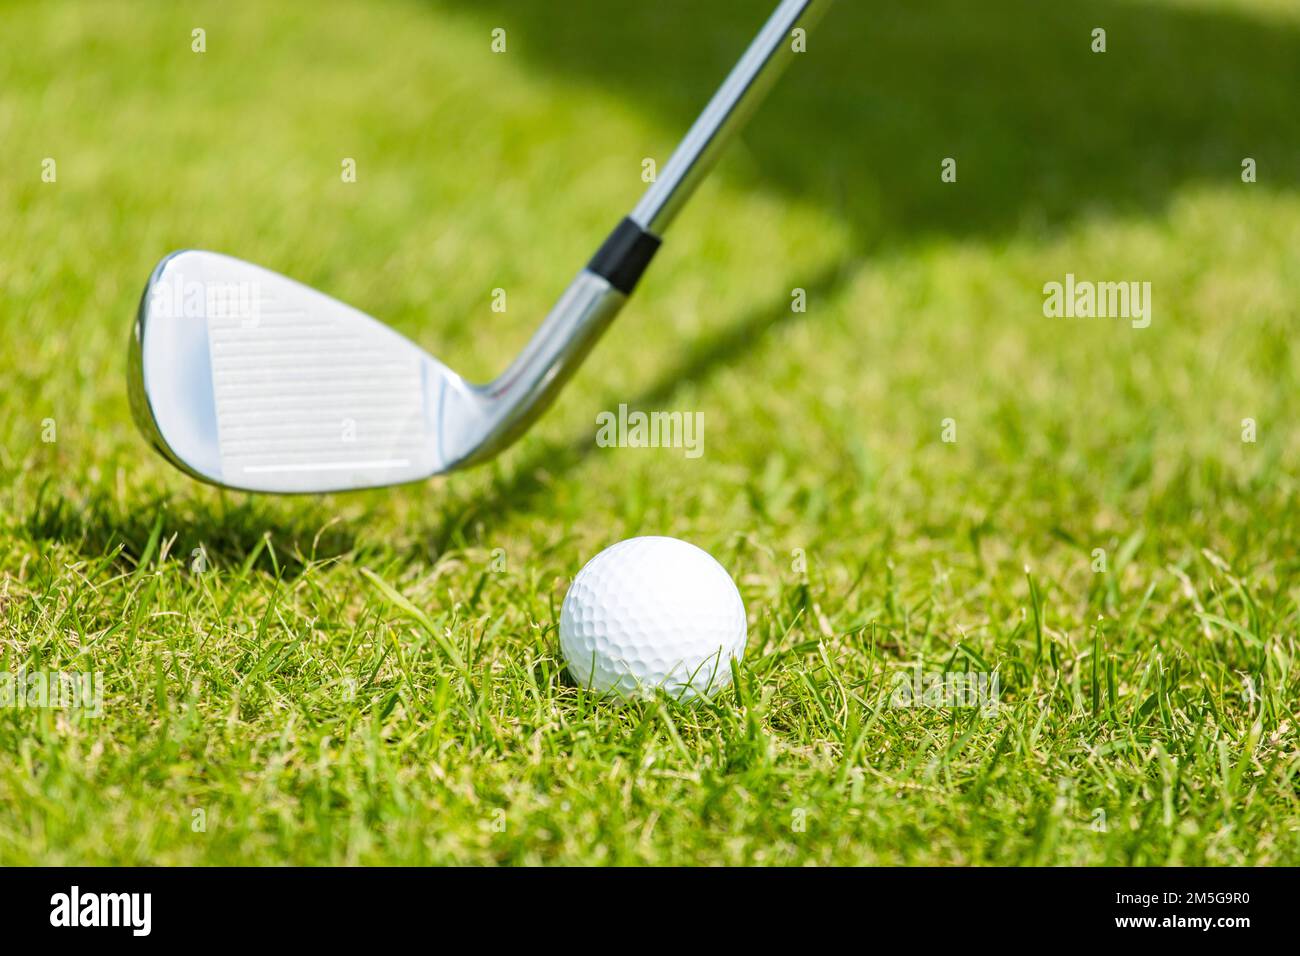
592, 301
726, 113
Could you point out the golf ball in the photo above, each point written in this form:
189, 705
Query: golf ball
652, 612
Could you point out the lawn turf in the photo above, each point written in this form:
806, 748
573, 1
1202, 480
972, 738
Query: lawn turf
375, 678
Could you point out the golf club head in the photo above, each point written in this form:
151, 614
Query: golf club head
246, 379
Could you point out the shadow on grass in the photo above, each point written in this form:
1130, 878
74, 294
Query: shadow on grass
528, 480
1043, 129
229, 533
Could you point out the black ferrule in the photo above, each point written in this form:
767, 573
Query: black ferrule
624, 255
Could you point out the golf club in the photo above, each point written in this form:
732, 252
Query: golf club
248, 380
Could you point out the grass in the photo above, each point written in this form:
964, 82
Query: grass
375, 678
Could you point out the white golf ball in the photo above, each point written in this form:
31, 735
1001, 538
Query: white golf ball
652, 612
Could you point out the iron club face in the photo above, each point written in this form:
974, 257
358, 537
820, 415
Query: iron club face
246, 379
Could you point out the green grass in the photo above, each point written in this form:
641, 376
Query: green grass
315, 717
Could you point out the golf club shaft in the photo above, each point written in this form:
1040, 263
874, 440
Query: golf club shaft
725, 115
596, 295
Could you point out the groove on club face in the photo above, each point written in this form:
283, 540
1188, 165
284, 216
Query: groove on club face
249, 380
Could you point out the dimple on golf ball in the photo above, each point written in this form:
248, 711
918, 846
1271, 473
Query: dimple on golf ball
652, 613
